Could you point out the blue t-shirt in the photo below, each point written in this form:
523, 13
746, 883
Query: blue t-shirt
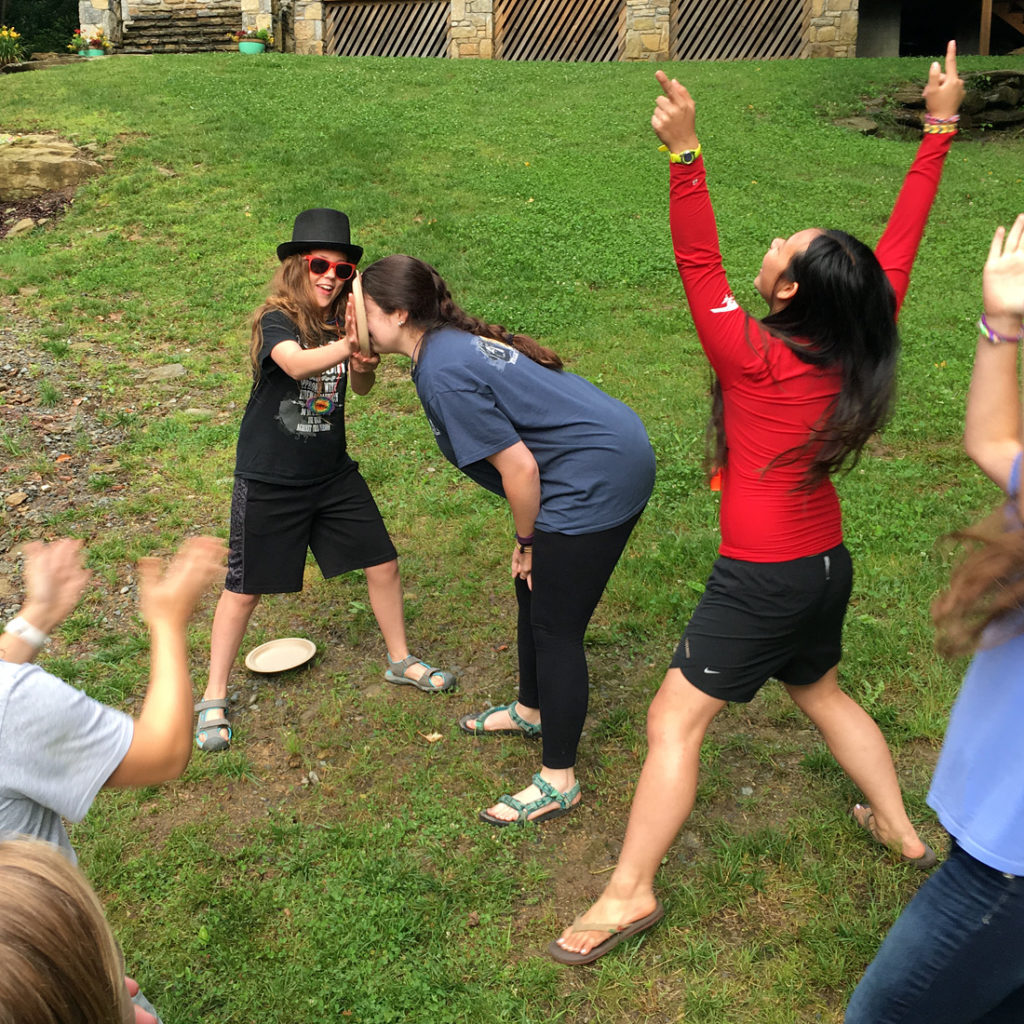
978, 787
595, 460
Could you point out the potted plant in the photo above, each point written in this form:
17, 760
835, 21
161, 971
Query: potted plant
98, 44
79, 42
10, 46
253, 40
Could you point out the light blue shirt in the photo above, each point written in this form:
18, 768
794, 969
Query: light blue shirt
978, 787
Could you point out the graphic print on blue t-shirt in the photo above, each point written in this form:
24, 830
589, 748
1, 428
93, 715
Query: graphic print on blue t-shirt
496, 352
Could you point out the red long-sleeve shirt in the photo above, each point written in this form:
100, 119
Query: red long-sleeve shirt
773, 399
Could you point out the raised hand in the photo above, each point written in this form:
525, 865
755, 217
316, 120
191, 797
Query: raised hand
169, 595
945, 89
1003, 277
55, 579
675, 115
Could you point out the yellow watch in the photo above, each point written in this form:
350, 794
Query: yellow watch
688, 156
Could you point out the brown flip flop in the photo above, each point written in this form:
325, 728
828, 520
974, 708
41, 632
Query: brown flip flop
563, 956
923, 863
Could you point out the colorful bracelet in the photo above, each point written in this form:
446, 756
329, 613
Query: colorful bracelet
524, 542
995, 338
939, 129
932, 119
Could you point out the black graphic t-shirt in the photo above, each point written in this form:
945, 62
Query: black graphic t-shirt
293, 431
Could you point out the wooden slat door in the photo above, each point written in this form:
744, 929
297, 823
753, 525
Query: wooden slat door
570, 30
736, 29
386, 28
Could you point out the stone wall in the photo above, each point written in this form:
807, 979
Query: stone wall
472, 29
647, 30
104, 14
832, 29
830, 25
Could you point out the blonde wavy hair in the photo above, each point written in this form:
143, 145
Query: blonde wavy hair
59, 961
290, 293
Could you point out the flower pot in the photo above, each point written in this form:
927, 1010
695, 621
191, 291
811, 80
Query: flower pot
81, 53
93, 52
251, 46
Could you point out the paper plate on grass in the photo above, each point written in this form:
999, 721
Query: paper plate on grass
280, 655
362, 330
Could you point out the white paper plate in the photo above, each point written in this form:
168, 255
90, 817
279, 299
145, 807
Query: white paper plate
280, 655
362, 330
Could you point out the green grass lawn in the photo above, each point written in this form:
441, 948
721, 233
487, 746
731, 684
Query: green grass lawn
248, 892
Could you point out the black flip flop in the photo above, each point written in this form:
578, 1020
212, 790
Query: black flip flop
563, 956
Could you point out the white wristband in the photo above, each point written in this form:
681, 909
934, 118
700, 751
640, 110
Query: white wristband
24, 630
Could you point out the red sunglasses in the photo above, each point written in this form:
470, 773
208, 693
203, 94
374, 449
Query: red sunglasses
343, 270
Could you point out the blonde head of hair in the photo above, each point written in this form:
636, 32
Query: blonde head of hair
59, 961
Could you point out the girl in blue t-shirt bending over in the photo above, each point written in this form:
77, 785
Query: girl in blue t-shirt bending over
576, 468
296, 486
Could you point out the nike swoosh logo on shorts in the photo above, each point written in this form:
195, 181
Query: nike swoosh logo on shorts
712, 672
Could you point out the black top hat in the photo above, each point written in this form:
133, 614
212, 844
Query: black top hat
320, 229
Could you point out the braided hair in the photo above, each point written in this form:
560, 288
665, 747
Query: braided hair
404, 282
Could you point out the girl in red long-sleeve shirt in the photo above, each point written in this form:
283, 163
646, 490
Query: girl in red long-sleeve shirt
798, 393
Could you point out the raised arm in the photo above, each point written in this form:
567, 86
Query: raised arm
992, 434
55, 579
162, 738
898, 246
721, 324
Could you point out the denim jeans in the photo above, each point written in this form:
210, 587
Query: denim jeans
954, 956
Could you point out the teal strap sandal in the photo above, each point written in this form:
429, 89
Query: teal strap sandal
548, 795
522, 726
208, 727
398, 673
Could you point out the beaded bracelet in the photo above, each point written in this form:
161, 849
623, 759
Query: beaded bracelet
995, 338
932, 119
939, 129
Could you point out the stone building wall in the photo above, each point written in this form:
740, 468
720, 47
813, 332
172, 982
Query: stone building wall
472, 29
832, 29
830, 25
647, 30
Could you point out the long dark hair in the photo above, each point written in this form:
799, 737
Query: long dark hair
404, 282
289, 292
842, 316
987, 585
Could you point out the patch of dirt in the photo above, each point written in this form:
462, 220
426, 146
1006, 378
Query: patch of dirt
42, 209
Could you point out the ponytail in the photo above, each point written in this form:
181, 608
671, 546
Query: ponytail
404, 282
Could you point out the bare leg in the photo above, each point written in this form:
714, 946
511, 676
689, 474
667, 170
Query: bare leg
676, 722
385, 588
229, 624
858, 745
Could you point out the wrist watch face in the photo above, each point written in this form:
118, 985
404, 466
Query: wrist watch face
688, 156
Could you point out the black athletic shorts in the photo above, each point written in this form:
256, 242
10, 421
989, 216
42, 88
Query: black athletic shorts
272, 526
762, 620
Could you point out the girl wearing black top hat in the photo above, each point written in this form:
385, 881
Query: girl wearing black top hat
296, 487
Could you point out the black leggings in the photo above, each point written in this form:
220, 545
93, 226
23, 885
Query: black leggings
570, 573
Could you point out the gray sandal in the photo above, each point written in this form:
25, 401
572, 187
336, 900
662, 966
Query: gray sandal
398, 672
211, 725
522, 726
